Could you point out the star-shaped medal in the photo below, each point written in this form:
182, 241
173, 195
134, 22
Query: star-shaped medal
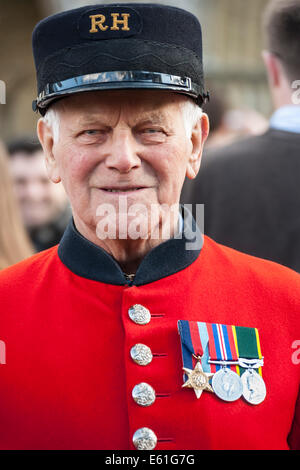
198, 380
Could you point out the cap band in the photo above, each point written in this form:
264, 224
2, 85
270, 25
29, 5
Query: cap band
117, 80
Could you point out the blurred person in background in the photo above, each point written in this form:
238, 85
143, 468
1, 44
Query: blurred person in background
228, 125
244, 122
251, 188
216, 108
44, 206
14, 243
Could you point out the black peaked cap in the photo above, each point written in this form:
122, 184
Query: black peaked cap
100, 47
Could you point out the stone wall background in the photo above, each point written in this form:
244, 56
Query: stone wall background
17, 18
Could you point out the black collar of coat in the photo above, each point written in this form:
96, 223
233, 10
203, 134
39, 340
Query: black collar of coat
88, 260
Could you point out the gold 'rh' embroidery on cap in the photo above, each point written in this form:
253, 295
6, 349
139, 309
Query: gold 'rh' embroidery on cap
98, 22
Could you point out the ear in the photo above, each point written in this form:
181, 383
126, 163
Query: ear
198, 138
45, 135
273, 67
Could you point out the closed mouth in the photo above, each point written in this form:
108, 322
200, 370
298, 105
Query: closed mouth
121, 190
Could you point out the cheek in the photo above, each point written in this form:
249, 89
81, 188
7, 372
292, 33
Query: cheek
171, 164
75, 166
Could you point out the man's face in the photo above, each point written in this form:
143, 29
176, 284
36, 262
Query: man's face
122, 143
39, 199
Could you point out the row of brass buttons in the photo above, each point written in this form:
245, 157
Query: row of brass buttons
143, 394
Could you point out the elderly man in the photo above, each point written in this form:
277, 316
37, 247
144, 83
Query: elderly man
126, 336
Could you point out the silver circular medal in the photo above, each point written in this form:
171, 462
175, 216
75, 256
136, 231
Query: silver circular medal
254, 388
227, 385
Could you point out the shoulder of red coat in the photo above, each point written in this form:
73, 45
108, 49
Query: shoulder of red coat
28, 268
256, 269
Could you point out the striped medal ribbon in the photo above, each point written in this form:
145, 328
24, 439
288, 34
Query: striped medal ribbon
197, 373
250, 361
229, 354
223, 357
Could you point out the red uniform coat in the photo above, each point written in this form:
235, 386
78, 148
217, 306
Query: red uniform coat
68, 376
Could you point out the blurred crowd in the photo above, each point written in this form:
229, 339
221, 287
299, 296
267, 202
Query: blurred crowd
249, 177
34, 211
248, 180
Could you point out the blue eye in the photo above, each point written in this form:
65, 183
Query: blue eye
153, 131
91, 132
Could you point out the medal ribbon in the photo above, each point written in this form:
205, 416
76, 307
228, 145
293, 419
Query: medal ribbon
248, 346
222, 346
229, 345
194, 343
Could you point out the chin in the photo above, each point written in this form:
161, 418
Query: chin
122, 226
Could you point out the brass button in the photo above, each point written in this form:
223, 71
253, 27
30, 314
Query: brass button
141, 354
144, 439
143, 394
139, 314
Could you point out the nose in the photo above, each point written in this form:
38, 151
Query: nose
123, 153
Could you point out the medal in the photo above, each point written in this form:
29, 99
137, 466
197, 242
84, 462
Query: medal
198, 380
227, 385
250, 358
194, 349
254, 388
230, 355
223, 356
